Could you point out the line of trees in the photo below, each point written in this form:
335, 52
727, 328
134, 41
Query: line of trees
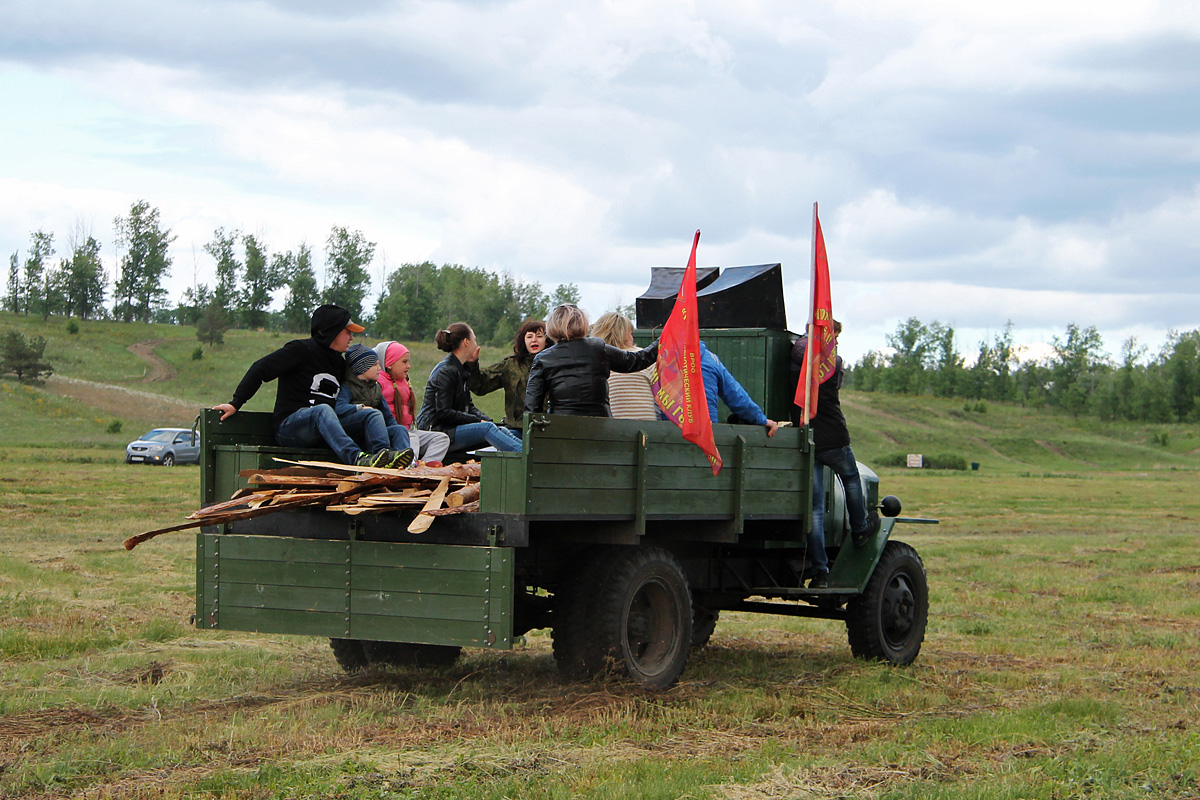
1077, 376
417, 300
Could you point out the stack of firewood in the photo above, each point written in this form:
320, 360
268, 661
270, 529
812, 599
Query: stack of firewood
432, 491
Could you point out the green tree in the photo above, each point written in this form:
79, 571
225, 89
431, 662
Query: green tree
408, 307
222, 249
948, 375
13, 299
1075, 368
23, 357
146, 261
41, 247
347, 257
213, 323
1183, 373
303, 297
260, 280
191, 306
906, 367
85, 280
565, 294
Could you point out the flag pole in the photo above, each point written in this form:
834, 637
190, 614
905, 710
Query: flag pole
806, 373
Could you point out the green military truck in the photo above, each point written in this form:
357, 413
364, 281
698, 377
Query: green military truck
614, 534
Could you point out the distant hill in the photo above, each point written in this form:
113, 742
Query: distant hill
145, 375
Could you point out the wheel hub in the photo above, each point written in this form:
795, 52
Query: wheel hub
899, 610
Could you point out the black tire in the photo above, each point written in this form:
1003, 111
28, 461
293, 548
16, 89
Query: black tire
350, 654
405, 654
642, 625
572, 614
704, 622
887, 621
168, 460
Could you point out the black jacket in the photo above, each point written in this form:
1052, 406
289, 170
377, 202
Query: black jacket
572, 377
447, 403
829, 425
309, 374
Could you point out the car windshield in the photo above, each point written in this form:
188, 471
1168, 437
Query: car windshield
160, 435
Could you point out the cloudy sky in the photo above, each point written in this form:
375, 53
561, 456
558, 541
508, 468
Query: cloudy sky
1032, 160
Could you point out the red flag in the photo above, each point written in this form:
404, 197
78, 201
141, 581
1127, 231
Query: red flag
820, 349
678, 382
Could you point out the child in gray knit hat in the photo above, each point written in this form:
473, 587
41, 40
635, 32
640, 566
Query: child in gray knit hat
361, 391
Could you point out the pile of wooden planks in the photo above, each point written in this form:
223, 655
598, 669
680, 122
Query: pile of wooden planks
432, 491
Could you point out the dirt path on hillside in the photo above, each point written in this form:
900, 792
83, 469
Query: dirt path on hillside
157, 369
123, 403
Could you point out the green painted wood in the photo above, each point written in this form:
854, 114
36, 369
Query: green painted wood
282, 573
423, 631
295, 598
422, 556
437, 581
419, 605
269, 620
280, 548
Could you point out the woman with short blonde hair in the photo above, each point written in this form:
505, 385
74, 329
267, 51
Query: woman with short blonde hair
567, 323
631, 395
572, 376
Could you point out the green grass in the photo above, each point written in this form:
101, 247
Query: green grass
1059, 660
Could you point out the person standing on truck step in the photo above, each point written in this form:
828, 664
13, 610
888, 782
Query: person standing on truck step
428, 446
310, 374
511, 374
361, 392
572, 376
720, 383
831, 442
448, 406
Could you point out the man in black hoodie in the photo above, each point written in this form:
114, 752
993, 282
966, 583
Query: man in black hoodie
310, 373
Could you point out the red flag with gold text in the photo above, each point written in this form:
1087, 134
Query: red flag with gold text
821, 339
678, 382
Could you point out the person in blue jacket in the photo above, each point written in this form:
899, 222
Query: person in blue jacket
720, 384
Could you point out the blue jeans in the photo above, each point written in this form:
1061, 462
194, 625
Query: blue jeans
312, 426
475, 434
841, 460
398, 434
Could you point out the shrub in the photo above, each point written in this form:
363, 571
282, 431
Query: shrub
945, 461
72, 327
198, 353
114, 426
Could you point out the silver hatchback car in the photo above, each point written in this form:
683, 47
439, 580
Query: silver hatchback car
166, 446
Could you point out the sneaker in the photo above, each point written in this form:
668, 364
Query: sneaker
379, 459
863, 537
399, 459
819, 581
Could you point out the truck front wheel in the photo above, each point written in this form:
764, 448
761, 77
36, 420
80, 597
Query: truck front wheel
639, 619
887, 621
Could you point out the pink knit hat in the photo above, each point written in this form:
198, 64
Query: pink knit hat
390, 352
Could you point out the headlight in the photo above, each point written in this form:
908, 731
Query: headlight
154, 448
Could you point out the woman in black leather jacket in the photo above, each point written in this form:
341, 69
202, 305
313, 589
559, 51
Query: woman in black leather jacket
572, 376
447, 406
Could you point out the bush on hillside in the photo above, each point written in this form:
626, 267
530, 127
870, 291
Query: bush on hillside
938, 461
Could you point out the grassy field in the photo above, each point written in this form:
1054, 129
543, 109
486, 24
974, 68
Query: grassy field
1062, 658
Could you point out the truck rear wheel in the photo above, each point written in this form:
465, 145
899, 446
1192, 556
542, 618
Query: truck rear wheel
406, 654
350, 654
887, 621
633, 617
